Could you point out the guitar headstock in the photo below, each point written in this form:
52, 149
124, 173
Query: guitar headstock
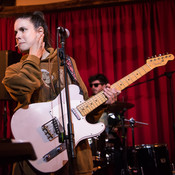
159, 61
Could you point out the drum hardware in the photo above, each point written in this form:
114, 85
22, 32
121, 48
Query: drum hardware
152, 159
98, 156
131, 123
116, 115
125, 168
142, 160
105, 152
96, 169
147, 159
135, 169
134, 124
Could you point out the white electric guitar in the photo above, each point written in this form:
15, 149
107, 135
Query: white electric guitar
35, 124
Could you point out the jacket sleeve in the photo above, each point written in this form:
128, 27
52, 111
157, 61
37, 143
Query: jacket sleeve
21, 79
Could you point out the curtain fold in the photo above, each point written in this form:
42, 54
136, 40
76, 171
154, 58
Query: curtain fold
115, 41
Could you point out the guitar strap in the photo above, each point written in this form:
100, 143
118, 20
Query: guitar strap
71, 72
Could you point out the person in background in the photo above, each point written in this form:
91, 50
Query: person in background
35, 79
97, 83
103, 146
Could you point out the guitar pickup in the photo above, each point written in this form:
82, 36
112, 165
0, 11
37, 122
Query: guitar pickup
53, 153
75, 112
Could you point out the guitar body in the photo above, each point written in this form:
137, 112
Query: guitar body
27, 125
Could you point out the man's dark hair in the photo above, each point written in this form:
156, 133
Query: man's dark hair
100, 77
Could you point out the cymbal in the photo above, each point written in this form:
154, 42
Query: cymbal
119, 106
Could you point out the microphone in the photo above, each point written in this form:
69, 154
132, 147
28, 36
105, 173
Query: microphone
64, 32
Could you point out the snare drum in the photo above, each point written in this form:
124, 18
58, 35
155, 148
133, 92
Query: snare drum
151, 159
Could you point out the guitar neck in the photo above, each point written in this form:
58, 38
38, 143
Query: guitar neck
98, 99
131, 78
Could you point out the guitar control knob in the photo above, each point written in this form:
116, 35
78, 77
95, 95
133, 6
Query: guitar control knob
46, 158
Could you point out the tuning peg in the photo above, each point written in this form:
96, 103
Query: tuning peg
152, 57
155, 56
148, 57
160, 55
167, 53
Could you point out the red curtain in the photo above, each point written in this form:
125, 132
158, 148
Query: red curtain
116, 40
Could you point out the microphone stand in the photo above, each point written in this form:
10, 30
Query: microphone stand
70, 137
170, 92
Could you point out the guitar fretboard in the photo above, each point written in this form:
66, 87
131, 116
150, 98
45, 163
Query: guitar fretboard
98, 99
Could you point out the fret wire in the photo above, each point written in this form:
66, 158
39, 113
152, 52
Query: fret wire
85, 107
121, 84
130, 79
144, 69
83, 111
140, 71
92, 103
134, 78
116, 86
146, 65
136, 74
124, 80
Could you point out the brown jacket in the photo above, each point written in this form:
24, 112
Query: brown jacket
32, 80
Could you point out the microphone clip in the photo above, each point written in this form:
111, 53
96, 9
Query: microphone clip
63, 32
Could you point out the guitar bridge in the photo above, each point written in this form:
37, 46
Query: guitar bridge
52, 128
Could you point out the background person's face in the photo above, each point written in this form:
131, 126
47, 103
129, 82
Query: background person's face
97, 89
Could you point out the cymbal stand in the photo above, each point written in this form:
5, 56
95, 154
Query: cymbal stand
135, 168
125, 169
132, 123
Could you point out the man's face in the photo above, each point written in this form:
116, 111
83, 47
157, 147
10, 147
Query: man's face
96, 87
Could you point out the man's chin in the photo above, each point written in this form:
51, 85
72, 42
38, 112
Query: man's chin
94, 93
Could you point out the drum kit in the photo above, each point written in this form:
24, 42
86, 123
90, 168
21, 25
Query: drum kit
111, 156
